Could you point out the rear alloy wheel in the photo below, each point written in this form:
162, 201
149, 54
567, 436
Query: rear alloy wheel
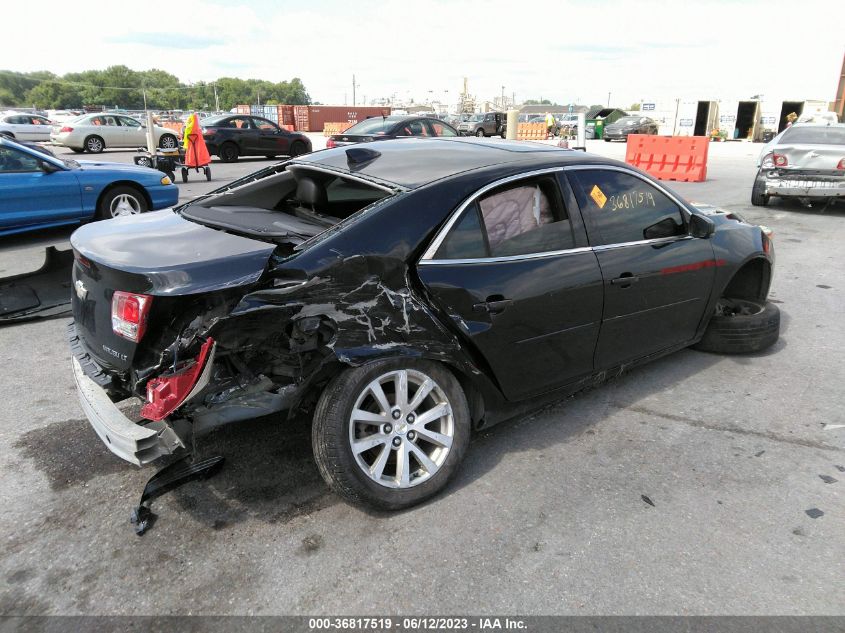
168, 141
759, 198
121, 201
94, 144
739, 326
229, 153
391, 434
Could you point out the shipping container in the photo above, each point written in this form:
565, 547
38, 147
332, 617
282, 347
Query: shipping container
285, 115
318, 116
302, 121
242, 109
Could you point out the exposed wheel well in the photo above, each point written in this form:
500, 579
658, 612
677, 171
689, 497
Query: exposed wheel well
750, 282
124, 183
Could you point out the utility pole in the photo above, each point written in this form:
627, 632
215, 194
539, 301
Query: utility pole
216, 99
503, 98
353, 91
258, 96
608, 99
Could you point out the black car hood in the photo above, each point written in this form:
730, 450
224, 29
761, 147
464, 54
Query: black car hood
175, 255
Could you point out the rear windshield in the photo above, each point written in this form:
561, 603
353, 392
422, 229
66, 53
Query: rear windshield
814, 135
372, 126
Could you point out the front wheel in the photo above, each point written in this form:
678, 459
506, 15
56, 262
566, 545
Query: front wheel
297, 149
479, 133
121, 201
739, 326
391, 433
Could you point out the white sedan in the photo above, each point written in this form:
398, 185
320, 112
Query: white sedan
96, 132
25, 127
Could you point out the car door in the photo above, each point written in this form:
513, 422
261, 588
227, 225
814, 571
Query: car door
18, 124
657, 278
241, 130
512, 272
270, 138
106, 127
38, 128
33, 195
133, 132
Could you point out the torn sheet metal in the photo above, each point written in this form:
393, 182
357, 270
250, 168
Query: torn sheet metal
43, 293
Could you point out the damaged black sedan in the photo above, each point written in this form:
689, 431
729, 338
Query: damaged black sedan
403, 294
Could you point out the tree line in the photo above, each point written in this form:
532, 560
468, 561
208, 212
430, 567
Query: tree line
122, 87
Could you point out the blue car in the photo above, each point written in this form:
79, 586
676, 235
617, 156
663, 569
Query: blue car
39, 191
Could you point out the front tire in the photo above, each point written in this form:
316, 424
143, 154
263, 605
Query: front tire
741, 327
392, 433
479, 133
297, 149
121, 201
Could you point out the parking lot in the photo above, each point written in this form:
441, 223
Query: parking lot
697, 484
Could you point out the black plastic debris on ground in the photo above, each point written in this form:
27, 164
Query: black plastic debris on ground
814, 513
43, 293
828, 479
647, 500
841, 469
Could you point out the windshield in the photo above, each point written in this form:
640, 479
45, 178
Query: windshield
214, 120
826, 135
375, 125
476, 117
628, 120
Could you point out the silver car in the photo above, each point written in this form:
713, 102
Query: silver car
25, 127
805, 162
96, 132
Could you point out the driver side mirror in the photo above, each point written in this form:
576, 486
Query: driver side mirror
701, 226
48, 167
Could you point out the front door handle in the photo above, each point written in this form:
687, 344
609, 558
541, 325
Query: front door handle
494, 305
624, 280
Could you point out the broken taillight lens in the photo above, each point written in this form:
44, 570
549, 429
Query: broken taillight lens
780, 160
167, 393
129, 314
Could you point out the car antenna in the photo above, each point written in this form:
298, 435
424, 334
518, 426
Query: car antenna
359, 155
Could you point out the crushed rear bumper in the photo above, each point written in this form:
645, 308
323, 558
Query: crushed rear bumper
806, 186
125, 438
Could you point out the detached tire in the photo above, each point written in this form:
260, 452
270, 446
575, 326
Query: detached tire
741, 327
375, 446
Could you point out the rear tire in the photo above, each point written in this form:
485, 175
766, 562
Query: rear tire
229, 153
741, 327
297, 149
94, 144
375, 476
77, 150
758, 192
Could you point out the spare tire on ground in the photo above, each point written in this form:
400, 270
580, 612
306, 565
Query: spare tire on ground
740, 326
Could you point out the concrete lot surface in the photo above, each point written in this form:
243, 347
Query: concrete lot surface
549, 514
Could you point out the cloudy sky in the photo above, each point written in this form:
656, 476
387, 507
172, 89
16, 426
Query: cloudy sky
575, 50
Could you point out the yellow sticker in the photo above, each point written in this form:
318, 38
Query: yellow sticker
599, 197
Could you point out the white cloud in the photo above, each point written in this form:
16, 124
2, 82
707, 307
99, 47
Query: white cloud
559, 50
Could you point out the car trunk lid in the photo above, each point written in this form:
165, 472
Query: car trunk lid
814, 157
158, 254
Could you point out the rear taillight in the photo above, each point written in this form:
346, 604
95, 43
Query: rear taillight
66, 129
129, 314
841, 164
330, 143
780, 160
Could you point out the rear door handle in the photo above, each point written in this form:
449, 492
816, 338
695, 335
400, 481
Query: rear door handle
624, 280
494, 305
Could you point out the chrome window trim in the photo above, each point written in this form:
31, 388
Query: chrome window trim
657, 240
428, 255
505, 258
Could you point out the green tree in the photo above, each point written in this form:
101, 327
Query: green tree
635, 107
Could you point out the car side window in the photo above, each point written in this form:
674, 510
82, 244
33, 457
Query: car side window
263, 124
516, 219
442, 130
414, 128
624, 208
241, 123
127, 122
13, 161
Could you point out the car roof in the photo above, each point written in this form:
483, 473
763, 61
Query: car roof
416, 162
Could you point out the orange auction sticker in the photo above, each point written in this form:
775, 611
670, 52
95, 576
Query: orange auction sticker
598, 196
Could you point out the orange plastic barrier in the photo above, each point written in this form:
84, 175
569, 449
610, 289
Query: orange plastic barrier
339, 127
532, 132
176, 126
669, 157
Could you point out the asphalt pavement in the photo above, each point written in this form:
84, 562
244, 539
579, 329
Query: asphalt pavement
697, 484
